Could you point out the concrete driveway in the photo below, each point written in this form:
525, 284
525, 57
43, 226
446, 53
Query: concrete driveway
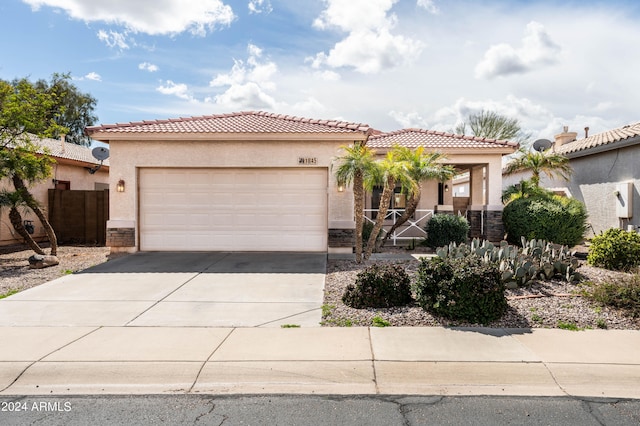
179, 289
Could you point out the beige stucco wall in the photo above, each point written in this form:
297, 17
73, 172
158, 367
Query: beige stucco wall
127, 157
77, 175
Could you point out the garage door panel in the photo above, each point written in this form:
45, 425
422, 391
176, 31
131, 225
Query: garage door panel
233, 209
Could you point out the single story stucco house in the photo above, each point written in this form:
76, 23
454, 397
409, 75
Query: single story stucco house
606, 176
259, 181
69, 172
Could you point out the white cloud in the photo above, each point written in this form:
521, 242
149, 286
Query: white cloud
153, 17
248, 82
93, 76
114, 39
260, 6
369, 46
428, 5
409, 120
146, 66
538, 49
180, 90
327, 75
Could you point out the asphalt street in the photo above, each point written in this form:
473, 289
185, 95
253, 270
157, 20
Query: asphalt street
311, 410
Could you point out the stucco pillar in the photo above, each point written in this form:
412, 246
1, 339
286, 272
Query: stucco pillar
476, 186
342, 225
475, 214
494, 184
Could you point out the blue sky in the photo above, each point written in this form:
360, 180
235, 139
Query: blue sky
389, 63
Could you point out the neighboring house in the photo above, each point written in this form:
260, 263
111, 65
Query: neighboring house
255, 181
606, 176
70, 171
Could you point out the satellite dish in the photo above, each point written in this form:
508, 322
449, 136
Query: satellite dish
100, 153
542, 145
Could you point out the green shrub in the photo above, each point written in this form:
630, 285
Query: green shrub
461, 289
557, 219
443, 229
621, 294
379, 286
615, 249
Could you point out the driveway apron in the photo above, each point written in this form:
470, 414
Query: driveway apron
167, 289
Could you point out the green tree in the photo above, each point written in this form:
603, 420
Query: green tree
548, 162
490, 124
26, 110
73, 109
356, 165
422, 166
523, 189
14, 202
389, 172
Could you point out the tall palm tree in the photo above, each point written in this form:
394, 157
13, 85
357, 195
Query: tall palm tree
422, 166
548, 162
356, 165
391, 170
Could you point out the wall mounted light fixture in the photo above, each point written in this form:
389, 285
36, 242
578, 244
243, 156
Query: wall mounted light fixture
446, 188
120, 186
340, 188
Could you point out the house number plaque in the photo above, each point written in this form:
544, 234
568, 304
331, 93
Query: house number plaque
307, 161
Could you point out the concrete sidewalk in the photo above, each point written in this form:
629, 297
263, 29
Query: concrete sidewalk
420, 360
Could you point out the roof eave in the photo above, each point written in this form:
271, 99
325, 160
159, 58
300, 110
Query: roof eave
106, 137
635, 140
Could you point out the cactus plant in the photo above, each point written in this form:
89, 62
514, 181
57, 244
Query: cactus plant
519, 266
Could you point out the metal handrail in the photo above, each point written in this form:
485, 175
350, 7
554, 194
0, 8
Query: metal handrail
394, 215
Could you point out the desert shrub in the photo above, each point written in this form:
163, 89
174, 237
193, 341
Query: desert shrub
379, 286
621, 294
560, 220
461, 289
615, 249
519, 266
443, 229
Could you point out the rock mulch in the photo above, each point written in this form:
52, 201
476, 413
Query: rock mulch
542, 305
15, 274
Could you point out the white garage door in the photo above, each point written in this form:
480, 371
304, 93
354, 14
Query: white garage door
233, 209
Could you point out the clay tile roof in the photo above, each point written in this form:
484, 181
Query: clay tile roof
430, 139
69, 151
601, 139
239, 122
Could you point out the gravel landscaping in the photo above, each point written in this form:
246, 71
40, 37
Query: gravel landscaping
543, 305
15, 274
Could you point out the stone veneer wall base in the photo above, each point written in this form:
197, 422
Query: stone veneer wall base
121, 237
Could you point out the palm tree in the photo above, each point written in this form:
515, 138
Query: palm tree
357, 164
14, 200
390, 171
422, 166
524, 188
548, 162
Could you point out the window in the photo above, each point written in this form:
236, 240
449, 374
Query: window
64, 185
398, 200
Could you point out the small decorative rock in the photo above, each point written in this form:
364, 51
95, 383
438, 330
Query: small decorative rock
38, 261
